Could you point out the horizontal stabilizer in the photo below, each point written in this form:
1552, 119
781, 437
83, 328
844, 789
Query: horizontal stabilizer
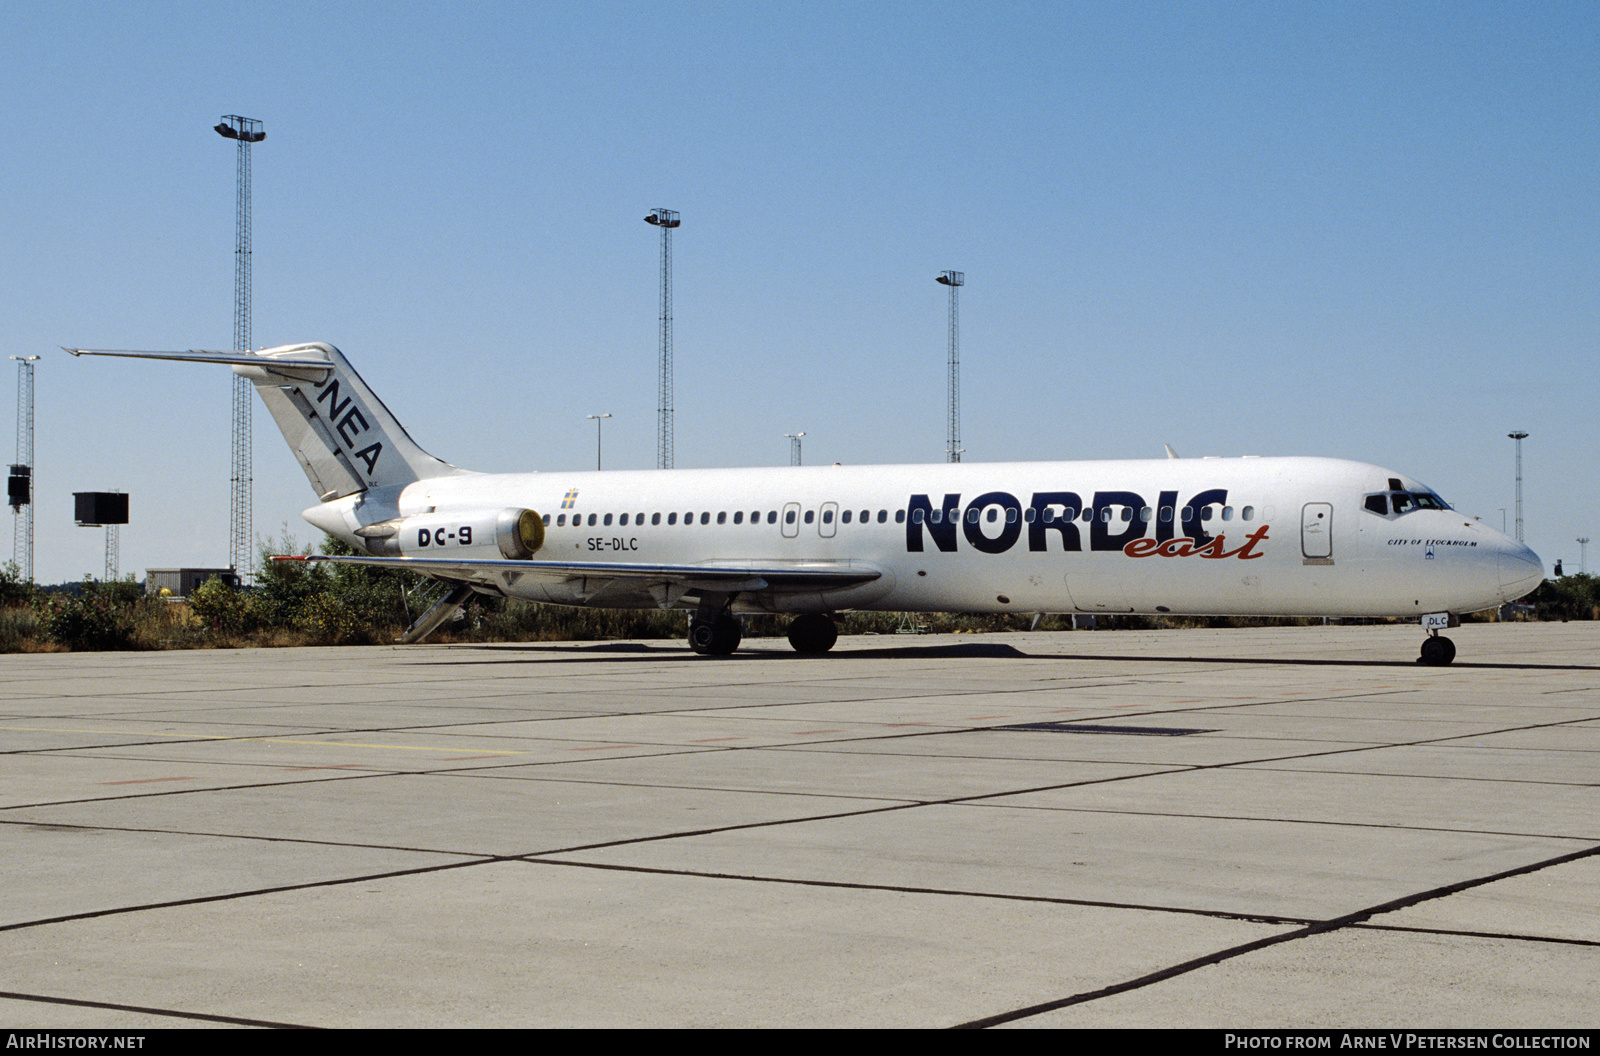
343, 435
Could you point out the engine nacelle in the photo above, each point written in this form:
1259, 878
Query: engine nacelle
515, 534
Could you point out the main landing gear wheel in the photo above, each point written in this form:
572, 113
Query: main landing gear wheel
1437, 650
715, 637
813, 633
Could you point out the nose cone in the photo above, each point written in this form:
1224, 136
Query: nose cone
1520, 570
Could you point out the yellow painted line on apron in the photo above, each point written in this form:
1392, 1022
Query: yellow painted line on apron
272, 740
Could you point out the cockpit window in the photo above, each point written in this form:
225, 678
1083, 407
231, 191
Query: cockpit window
1398, 503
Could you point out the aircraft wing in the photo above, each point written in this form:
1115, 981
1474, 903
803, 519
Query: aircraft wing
665, 583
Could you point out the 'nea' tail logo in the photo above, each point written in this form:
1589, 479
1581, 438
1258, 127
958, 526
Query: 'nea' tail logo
350, 423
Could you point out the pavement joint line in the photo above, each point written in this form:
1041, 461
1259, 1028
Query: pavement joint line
1382, 826
1508, 936
896, 736
1347, 920
167, 1013
906, 889
231, 896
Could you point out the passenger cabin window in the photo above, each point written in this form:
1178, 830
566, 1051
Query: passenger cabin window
547, 520
722, 517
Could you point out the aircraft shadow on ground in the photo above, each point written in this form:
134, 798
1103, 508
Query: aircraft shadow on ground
585, 652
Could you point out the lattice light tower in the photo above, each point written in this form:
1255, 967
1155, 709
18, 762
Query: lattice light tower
666, 220
794, 447
247, 131
955, 280
20, 487
1519, 436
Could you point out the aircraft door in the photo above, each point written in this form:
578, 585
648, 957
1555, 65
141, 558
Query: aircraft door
828, 521
1316, 531
789, 520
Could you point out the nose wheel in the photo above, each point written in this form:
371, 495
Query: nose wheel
1437, 650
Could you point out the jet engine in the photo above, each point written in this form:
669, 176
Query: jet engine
515, 534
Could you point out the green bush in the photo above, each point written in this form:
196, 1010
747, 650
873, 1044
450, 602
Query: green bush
1575, 597
100, 616
220, 608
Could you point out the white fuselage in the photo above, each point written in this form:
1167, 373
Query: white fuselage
1234, 536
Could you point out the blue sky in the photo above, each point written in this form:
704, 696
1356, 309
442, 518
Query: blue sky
1360, 230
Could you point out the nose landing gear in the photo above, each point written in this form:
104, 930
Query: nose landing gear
1437, 650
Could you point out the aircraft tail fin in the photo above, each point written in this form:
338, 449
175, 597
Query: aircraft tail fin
347, 441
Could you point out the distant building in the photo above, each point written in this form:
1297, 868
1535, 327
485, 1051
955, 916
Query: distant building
181, 582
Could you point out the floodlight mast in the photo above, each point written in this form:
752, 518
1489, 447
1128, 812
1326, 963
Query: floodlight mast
598, 420
955, 280
1519, 436
246, 130
666, 220
21, 484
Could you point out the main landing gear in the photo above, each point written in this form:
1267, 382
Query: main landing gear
813, 633
718, 633
717, 636
1437, 650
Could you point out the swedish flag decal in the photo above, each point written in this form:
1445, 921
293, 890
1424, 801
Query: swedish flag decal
570, 500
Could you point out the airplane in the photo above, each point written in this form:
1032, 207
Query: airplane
1248, 536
